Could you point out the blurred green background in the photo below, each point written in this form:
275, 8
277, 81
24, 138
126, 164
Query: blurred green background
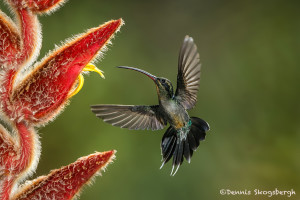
249, 94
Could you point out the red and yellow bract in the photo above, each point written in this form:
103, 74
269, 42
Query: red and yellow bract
32, 96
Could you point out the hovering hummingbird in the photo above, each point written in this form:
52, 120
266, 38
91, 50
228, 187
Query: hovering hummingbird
185, 133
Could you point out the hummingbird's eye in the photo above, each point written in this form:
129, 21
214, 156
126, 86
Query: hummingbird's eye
163, 80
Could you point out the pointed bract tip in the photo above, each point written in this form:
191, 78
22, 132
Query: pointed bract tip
121, 21
67, 181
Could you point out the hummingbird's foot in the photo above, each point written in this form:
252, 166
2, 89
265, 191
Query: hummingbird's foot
89, 67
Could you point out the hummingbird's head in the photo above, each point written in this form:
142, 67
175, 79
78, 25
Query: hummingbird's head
163, 86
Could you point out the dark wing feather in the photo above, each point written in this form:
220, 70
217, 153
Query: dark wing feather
188, 76
131, 117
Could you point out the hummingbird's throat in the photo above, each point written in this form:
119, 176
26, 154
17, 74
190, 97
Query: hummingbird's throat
162, 94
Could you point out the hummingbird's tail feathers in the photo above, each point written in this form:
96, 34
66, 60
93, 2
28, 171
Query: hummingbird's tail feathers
173, 146
198, 129
168, 145
178, 147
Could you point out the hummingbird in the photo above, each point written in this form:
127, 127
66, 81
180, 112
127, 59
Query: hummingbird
184, 134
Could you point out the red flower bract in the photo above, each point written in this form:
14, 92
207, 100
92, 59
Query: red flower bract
44, 91
67, 181
32, 96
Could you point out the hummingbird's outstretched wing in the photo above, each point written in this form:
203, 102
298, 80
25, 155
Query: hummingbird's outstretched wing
131, 117
188, 76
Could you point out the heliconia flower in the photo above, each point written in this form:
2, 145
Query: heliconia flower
19, 46
19, 155
37, 6
65, 183
31, 96
40, 96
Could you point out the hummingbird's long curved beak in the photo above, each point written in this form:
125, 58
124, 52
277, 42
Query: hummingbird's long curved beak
142, 71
